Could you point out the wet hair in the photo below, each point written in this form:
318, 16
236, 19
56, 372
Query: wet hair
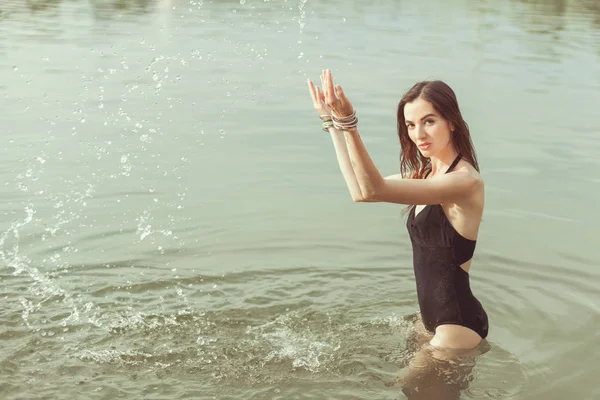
412, 163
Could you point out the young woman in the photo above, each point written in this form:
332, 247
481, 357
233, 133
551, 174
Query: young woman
444, 193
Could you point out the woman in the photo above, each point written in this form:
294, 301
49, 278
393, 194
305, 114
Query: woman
440, 184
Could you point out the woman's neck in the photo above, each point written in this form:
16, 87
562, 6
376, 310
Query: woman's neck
442, 160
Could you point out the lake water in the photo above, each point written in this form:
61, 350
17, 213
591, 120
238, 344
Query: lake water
175, 226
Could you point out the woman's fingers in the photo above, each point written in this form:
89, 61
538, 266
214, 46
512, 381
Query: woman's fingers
313, 95
320, 96
316, 95
340, 93
345, 108
327, 91
323, 84
330, 97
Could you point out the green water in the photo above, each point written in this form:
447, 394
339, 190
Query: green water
174, 223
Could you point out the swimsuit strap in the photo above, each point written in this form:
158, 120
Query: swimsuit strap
454, 163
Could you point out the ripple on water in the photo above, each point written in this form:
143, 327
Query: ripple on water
283, 334
304, 345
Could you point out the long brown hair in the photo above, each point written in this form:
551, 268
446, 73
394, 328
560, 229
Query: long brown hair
412, 163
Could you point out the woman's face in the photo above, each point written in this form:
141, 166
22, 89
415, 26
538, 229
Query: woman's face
430, 132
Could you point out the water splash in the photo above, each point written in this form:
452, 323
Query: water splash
118, 357
301, 19
288, 341
43, 287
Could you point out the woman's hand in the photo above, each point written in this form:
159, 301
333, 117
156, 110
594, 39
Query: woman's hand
318, 99
335, 99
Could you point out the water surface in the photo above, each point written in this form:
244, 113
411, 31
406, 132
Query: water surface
175, 224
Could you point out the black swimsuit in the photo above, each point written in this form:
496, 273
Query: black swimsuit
443, 288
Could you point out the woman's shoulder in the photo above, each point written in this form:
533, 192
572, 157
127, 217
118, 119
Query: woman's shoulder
475, 199
469, 171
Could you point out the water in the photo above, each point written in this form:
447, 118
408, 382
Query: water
175, 226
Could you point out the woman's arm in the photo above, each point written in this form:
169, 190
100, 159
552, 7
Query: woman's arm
452, 187
339, 143
341, 151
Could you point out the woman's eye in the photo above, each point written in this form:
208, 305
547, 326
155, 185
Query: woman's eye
429, 122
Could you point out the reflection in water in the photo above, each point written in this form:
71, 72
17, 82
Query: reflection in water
543, 17
106, 10
535, 16
42, 5
547, 7
561, 7
551, 26
549, 17
99, 7
434, 373
141, 6
431, 377
542, 9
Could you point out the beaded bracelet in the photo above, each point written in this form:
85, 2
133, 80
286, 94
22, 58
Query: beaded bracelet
326, 125
345, 123
339, 123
